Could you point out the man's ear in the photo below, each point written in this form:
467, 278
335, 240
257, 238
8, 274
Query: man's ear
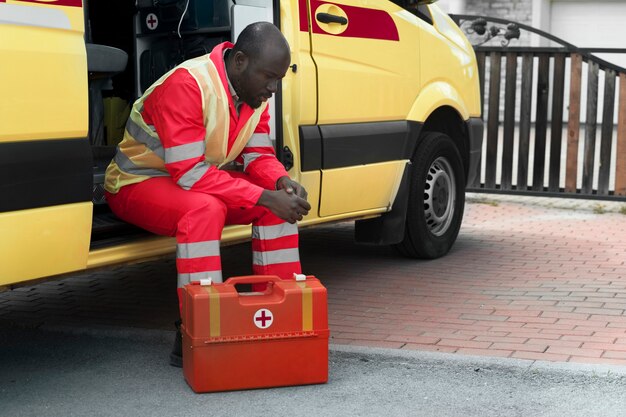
240, 60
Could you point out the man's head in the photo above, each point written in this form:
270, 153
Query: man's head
257, 63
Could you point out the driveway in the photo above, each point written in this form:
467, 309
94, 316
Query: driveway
529, 278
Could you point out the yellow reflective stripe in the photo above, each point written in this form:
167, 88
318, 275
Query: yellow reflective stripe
215, 109
214, 311
245, 133
307, 307
142, 136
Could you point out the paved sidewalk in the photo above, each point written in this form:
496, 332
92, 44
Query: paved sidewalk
529, 278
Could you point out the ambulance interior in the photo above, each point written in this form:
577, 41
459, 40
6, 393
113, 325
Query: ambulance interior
130, 44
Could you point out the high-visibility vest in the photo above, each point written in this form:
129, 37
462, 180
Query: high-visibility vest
141, 155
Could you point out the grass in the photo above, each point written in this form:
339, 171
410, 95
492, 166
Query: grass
599, 208
483, 200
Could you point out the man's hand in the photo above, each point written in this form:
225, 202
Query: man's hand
291, 186
286, 205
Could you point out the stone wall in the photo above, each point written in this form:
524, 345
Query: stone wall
516, 10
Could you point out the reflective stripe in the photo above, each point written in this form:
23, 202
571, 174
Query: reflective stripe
249, 158
198, 249
273, 232
184, 152
307, 307
128, 166
275, 256
193, 175
140, 135
259, 140
214, 311
186, 278
13, 14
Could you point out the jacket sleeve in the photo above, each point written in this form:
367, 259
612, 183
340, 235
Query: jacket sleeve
259, 157
176, 113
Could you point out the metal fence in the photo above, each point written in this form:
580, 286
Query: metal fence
550, 128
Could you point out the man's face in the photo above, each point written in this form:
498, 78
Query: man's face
257, 79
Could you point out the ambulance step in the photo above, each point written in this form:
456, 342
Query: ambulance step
108, 230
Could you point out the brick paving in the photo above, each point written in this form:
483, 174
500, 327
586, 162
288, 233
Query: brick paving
541, 279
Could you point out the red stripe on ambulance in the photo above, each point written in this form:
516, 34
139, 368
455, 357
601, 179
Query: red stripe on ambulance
70, 3
362, 22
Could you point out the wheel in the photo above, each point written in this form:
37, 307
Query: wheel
436, 198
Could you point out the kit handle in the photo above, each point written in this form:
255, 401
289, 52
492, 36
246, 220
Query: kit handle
252, 279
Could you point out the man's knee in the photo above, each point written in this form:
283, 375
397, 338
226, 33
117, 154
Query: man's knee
205, 209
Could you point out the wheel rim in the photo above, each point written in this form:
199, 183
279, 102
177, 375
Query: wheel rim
439, 196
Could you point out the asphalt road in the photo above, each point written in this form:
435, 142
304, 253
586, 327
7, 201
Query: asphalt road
124, 372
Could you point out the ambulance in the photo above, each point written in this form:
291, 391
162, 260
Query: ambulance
378, 117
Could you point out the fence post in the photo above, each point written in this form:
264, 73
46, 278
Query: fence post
493, 120
620, 166
606, 137
573, 123
524, 122
590, 128
509, 121
557, 123
543, 89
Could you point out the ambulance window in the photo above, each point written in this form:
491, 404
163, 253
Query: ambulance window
418, 8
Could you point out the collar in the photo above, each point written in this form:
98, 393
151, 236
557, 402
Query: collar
231, 89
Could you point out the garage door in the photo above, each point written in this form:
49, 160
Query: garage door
591, 24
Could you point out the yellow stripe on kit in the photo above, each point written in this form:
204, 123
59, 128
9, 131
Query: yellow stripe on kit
214, 312
307, 307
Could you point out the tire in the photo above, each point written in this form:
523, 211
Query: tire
436, 198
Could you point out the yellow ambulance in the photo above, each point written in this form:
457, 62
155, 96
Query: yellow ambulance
378, 117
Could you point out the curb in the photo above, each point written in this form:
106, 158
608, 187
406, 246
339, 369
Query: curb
432, 358
557, 203
524, 365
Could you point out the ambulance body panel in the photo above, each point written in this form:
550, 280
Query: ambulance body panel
371, 85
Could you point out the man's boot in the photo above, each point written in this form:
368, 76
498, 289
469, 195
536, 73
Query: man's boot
176, 356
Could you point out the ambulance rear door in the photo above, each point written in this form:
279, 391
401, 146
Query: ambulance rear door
45, 157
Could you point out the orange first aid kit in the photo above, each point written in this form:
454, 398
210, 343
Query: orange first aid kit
234, 340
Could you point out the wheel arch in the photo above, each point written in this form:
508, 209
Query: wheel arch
389, 228
447, 120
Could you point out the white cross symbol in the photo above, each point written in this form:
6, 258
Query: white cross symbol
263, 318
152, 21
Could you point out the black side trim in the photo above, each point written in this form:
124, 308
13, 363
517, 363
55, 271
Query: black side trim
353, 144
475, 128
44, 173
310, 148
344, 145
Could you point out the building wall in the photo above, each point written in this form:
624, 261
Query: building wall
516, 10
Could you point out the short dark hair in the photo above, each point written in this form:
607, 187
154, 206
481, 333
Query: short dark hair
257, 36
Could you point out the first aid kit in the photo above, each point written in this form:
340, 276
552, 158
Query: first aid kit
241, 340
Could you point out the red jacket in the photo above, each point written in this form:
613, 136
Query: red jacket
175, 110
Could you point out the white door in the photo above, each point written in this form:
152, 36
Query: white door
593, 24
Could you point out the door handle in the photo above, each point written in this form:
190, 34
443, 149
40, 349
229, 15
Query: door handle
331, 18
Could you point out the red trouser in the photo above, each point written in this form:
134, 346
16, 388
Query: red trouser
197, 219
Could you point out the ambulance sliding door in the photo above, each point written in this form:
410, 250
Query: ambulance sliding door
367, 58
45, 158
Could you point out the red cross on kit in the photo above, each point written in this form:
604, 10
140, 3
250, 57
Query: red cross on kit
233, 340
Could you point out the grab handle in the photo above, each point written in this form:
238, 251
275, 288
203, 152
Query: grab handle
252, 279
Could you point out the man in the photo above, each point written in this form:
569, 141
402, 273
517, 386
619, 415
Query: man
199, 117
